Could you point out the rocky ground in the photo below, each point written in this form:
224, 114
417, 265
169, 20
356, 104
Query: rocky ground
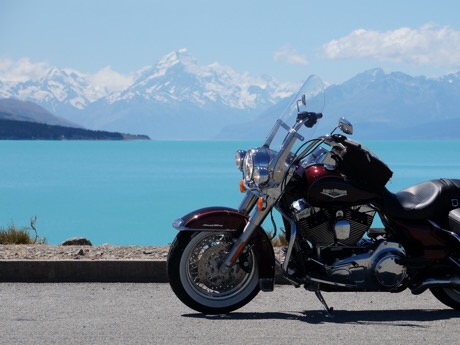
80, 252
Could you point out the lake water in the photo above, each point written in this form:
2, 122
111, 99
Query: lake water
129, 192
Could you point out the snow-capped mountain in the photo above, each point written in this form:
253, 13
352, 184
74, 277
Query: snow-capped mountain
177, 89
181, 99
55, 91
177, 98
380, 106
178, 77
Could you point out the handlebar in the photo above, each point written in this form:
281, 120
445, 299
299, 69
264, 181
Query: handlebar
309, 118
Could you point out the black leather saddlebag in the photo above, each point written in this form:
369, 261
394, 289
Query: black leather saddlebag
363, 167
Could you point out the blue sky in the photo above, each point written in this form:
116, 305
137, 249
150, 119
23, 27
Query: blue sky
287, 39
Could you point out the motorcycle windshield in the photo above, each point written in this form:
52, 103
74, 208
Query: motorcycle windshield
309, 98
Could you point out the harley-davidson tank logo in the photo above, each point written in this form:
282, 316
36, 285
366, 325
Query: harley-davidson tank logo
213, 225
334, 193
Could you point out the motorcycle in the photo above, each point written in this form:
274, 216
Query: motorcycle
326, 192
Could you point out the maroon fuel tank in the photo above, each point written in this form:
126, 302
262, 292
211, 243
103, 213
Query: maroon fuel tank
328, 188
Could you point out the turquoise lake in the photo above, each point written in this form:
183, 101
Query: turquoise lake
129, 192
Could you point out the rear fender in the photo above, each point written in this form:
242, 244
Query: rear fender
224, 219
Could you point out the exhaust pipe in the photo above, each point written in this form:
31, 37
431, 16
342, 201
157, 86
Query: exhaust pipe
453, 283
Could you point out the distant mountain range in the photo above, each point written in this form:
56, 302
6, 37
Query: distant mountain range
177, 98
23, 120
398, 106
14, 109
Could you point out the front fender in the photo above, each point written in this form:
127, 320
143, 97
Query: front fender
225, 219
212, 219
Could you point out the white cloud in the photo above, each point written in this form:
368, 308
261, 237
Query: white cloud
289, 55
428, 45
104, 81
22, 70
110, 80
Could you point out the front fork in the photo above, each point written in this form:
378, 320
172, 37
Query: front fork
255, 220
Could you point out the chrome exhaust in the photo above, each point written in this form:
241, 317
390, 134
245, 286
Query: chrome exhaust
453, 283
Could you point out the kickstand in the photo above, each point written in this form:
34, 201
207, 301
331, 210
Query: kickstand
323, 302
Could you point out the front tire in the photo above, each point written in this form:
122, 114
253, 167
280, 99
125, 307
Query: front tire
448, 296
193, 262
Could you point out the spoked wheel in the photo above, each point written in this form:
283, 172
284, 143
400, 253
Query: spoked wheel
448, 296
193, 269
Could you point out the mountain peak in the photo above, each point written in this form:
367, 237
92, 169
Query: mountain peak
372, 74
178, 77
53, 72
180, 56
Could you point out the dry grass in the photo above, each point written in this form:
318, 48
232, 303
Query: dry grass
15, 235
278, 240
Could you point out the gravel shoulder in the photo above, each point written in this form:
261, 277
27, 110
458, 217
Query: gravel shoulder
104, 252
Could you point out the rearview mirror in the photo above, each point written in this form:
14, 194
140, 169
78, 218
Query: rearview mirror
345, 126
304, 99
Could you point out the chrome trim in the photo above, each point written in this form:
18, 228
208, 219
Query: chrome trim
379, 266
260, 175
454, 261
206, 229
316, 280
256, 171
239, 158
255, 220
345, 126
291, 239
290, 246
248, 203
342, 229
453, 283
178, 224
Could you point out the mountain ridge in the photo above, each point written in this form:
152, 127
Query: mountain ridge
15, 109
177, 98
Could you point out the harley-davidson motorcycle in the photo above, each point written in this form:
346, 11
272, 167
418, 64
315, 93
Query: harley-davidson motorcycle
327, 191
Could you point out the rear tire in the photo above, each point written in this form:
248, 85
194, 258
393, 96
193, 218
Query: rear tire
194, 276
448, 296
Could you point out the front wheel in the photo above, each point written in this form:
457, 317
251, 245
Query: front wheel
448, 296
193, 269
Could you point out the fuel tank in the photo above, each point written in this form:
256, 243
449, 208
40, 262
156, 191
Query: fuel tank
328, 188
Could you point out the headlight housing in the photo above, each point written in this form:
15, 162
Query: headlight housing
255, 165
239, 158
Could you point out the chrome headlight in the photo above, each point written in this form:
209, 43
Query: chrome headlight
256, 166
248, 165
239, 158
261, 175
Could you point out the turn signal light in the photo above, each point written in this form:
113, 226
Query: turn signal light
242, 187
261, 203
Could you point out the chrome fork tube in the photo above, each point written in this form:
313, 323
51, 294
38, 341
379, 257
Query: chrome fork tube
248, 203
255, 220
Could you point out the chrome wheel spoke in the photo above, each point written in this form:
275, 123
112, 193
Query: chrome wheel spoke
203, 268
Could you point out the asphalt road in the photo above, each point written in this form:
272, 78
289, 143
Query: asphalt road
150, 314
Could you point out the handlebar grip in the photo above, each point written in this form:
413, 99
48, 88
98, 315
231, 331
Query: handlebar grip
310, 118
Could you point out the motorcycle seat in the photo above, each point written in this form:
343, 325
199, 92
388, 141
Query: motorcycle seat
427, 200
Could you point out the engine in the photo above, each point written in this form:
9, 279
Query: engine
337, 235
375, 270
326, 227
